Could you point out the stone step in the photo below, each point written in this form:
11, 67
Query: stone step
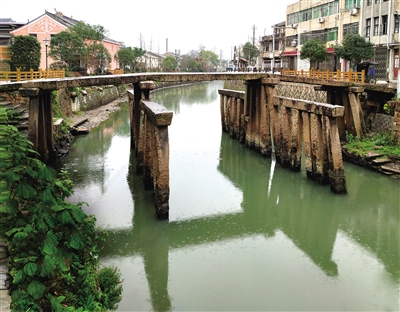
381, 161
373, 155
390, 170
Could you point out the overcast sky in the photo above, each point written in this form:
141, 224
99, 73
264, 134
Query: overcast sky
215, 24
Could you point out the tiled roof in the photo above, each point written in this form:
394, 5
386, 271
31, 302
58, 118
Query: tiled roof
68, 22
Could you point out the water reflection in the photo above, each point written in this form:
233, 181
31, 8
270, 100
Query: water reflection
244, 234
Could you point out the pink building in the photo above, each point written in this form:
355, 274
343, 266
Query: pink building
48, 25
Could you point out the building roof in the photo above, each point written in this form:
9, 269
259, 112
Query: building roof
67, 22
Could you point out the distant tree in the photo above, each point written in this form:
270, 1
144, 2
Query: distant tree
26, 49
89, 32
355, 48
98, 58
67, 46
93, 54
190, 64
208, 59
170, 63
315, 51
129, 57
250, 52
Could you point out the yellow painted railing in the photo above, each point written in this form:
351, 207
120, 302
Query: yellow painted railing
350, 76
117, 71
18, 75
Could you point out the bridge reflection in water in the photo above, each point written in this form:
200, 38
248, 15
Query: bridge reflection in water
255, 237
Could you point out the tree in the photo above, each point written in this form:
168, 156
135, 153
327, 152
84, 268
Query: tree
315, 51
355, 48
189, 63
250, 52
68, 47
89, 32
208, 59
170, 63
26, 49
129, 57
93, 55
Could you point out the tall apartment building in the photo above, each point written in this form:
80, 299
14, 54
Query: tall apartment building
273, 47
379, 24
329, 21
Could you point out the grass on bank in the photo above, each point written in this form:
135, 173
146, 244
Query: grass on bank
382, 143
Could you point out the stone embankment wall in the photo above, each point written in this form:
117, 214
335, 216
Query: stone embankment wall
93, 97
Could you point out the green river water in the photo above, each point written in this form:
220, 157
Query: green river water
244, 234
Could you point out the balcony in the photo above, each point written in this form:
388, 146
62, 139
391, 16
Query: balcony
268, 54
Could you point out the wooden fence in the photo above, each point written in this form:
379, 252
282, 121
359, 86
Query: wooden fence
18, 75
350, 76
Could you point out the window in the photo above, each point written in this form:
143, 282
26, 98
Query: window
332, 34
384, 24
396, 23
368, 28
350, 4
376, 26
33, 35
377, 1
350, 29
333, 8
369, 2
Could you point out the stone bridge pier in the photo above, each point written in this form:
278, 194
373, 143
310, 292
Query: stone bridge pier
263, 121
40, 123
149, 139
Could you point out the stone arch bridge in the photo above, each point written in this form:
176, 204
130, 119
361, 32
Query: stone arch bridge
257, 117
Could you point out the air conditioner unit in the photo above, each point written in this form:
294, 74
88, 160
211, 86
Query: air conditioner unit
293, 43
354, 11
321, 20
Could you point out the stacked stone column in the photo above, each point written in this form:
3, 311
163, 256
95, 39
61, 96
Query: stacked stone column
149, 124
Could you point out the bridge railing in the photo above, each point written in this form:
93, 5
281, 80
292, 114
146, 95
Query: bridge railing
19, 75
350, 76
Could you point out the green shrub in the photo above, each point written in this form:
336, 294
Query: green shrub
52, 244
111, 288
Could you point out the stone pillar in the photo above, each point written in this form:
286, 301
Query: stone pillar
141, 92
396, 121
275, 125
356, 111
251, 113
268, 92
296, 140
148, 153
222, 106
131, 102
40, 122
317, 146
340, 120
232, 111
307, 143
156, 154
337, 178
285, 135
